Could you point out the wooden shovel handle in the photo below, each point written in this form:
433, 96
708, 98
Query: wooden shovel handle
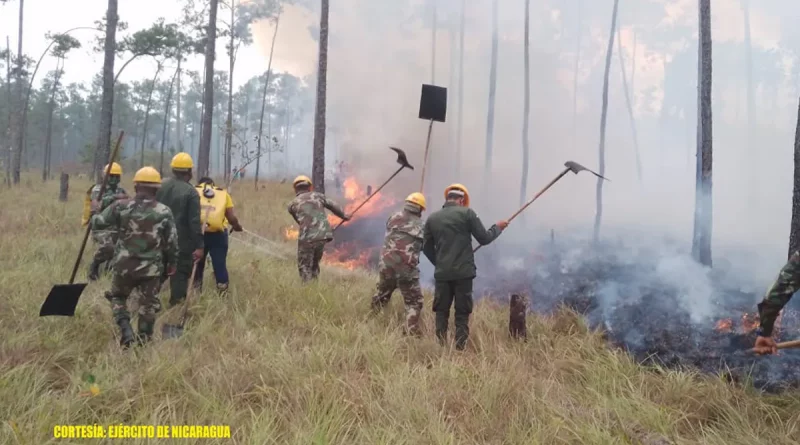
789, 344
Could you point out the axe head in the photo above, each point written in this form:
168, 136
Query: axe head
574, 167
401, 158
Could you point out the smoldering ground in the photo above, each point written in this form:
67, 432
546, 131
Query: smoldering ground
643, 289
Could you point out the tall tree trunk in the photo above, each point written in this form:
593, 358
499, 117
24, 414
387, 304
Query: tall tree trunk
451, 81
103, 148
629, 105
19, 128
526, 109
575, 76
318, 163
701, 241
204, 152
147, 114
178, 128
487, 165
460, 94
603, 117
229, 121
166, 123
264, 100
794, 230
9, 139
48, 144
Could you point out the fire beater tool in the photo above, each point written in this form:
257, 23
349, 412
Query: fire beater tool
403, 161
175, 331
63, 298
571, 166
432, 107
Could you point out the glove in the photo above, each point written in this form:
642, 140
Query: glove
346, 218
238, 228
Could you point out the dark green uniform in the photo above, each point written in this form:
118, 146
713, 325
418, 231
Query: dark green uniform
787, 283
184, 202
447, 244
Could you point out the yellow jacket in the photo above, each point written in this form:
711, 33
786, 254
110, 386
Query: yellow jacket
216, 206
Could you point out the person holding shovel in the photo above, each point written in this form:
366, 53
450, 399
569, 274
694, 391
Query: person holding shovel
146, 249
219, 205
308, 210
103, 239
184, 202
778, 295
447, 243
400, 260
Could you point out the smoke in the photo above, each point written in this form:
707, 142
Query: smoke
380, 54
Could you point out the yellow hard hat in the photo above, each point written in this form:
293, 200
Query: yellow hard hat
418, 199
459, 187
182, 161
300, 179
147, 176
116, 169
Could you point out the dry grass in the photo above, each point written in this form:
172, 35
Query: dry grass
286, 364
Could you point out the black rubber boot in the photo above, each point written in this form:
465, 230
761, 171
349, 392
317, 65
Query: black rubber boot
126, 333
94, 271
145, 331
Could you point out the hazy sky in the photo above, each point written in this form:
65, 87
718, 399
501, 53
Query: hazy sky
44, 16
380, 54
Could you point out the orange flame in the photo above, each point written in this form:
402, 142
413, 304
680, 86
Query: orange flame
291, 233
355, 195
725, 325
747, 323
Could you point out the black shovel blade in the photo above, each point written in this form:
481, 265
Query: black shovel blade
171, 331
62, 300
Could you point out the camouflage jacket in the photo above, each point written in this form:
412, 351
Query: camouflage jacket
787, 283
110, 195
147, 240
308, 210
403, 241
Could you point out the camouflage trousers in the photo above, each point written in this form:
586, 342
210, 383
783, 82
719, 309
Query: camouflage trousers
309, 255
104, 240
149, 304
412, 296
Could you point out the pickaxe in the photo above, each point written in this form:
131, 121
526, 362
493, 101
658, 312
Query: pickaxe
571, 166
403, 161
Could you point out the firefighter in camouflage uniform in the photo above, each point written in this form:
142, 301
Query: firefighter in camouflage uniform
147, 245
398, 267
104, 240
787, 283
308, 210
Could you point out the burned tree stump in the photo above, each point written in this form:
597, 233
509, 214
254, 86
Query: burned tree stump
64, 189
518, 309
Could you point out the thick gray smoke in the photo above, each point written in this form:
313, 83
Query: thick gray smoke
380, 54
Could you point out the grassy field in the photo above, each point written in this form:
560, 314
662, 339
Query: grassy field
286, 364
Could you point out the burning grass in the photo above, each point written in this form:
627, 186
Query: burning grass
285, 364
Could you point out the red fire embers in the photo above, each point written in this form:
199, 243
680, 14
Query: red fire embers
349, 253
746, 324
